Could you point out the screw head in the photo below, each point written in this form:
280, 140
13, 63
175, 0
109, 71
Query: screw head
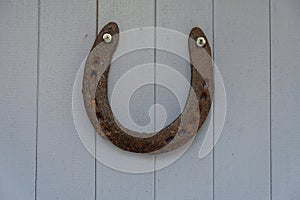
200, 41
107, 37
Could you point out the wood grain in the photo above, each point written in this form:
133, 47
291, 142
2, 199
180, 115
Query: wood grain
18, 83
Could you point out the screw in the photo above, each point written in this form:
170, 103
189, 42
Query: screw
200, 41
107, 37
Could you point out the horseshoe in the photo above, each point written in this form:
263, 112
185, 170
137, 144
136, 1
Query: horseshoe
181, 130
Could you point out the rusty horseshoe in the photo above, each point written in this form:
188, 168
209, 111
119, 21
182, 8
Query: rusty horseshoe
181, 130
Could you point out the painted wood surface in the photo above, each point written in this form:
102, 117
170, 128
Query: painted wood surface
65, 170
285, 97
256, 47
242, 155
129, 14
18, 77
189, 177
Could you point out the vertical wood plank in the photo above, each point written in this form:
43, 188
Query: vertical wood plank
189, 177
65, 169
128, 14
242, 156
285, 99
18, 77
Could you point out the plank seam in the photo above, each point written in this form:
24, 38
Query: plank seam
155, 32
213, 110
95, 138
97, 14
37, 95
270, 83
95, 166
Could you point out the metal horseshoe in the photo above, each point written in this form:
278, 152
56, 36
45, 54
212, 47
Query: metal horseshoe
181, 130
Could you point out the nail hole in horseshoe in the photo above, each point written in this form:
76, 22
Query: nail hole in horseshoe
203, 96
169, 139
99, 116
106, 130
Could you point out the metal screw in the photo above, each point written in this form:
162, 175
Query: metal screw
107, 37
200, 41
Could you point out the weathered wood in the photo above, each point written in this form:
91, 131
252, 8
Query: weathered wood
285, 99
129, 14
18, 77
65, 169
189, 177
242, 156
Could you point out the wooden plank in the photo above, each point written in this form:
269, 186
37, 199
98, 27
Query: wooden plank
241, 161
129, 14
65, 169
18, 77
285, 99
189, 177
